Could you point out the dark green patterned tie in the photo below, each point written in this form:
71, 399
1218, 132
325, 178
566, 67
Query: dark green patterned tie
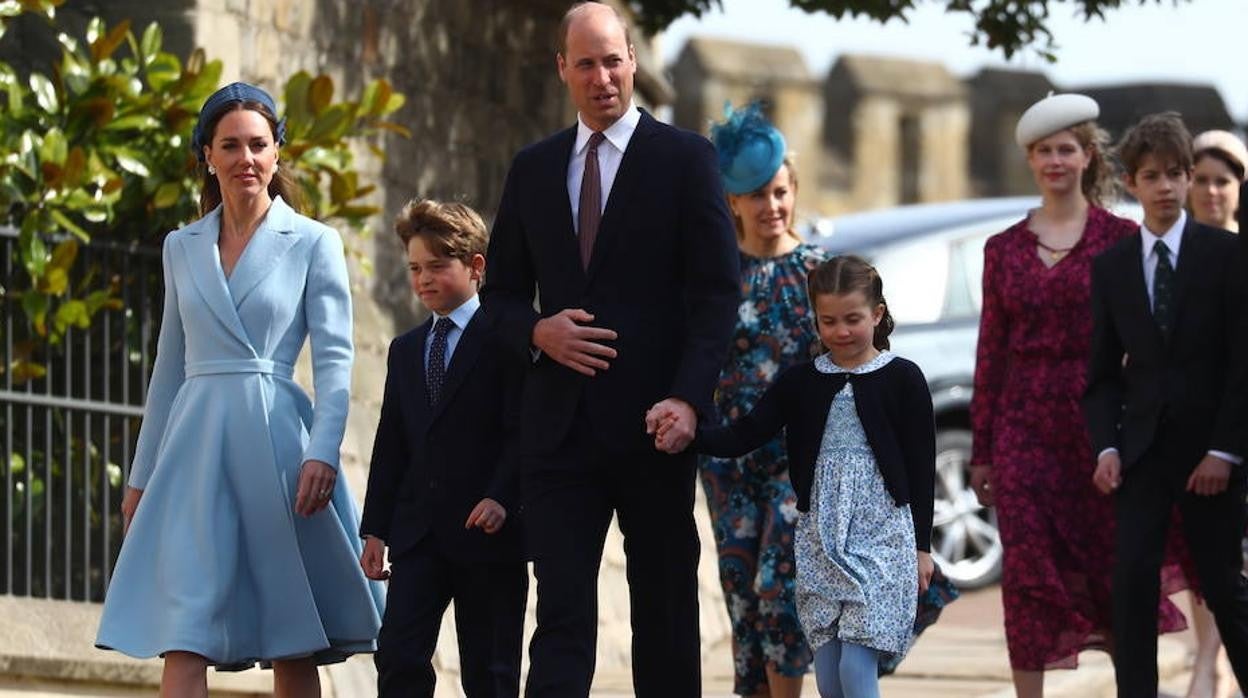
1163, 288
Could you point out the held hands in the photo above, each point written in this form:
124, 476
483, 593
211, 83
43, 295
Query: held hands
1108, 475
566, 338
981, 485
129, 504
1210, 477
373, 559
673, 423
316, 485
926, 569
488, 516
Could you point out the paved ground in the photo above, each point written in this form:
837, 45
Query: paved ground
964, 656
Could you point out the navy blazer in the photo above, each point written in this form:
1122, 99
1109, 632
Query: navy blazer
894, 406
664, 274
1192, 382
432, 464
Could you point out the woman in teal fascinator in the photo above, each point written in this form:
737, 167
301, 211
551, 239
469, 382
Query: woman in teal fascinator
752, 504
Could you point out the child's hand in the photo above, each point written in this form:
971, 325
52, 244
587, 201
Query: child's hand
926, 569
1210, 477
1108, 473
373, 559
488, 516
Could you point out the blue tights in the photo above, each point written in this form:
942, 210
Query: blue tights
846, 670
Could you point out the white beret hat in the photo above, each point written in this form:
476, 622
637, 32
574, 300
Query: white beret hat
1052, 114
1224, 141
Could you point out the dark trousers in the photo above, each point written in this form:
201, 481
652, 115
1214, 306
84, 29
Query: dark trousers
489, 621
569, 499
1212, 526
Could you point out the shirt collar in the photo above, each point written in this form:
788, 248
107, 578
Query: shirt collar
617, 134
461, 315
1172, 237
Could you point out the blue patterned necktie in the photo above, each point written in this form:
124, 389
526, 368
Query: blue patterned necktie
435, 372
1163, 288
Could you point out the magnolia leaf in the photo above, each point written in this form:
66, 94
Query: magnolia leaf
54, 148
68, 224
24, 370
138, 122
34, 252
10, 8
163, 71
54, 283
129, 161
72, 313
167, 194
320, 94
45, 93
395, 103
64, 254
296, 96
394, 128
35, 305
95, 29
333, 123
153, 37
107, 45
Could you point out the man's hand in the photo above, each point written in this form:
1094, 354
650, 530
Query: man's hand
1210, 477
1108, 475
129, 504
488, 516
566, 338
373, 559
926, 569
981, 485
673, 423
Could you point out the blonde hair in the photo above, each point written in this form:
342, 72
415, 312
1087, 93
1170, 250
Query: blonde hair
737, 223
450, 228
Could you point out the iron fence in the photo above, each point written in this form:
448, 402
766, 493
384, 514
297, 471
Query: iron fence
68, 436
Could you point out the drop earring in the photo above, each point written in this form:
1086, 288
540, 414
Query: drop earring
275, 168
212, 170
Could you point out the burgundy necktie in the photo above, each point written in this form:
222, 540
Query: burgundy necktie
590, 212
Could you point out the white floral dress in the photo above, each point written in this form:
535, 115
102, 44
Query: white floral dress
857, 569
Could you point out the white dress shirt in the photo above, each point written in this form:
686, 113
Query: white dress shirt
459, 317
610, 153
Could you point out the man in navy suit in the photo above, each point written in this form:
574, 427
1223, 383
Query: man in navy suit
442, 486
619, 226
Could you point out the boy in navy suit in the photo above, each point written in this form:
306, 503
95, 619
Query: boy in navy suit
1165, 402
442, 483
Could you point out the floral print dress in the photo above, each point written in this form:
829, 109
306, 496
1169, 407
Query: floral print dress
752, 504
1027, 421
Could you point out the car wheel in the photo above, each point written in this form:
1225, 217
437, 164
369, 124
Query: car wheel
965, 542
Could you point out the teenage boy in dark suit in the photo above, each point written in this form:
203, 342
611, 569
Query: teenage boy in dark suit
1165, 402
442, 483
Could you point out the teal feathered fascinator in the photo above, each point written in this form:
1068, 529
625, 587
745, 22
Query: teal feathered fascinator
750, 149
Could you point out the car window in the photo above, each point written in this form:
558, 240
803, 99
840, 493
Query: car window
915, 274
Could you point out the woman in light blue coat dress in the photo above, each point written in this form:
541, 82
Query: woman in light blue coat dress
241, 543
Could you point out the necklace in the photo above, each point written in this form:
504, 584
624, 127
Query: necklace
1055, 253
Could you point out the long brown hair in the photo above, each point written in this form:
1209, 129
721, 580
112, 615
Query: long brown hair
281, 185
847, 274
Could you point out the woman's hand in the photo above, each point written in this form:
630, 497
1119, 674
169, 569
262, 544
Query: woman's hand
926, 569
129, 504
981, 485
316, 486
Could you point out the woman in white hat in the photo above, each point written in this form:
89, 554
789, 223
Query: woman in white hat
1218, 172
1220, 165
1031, 456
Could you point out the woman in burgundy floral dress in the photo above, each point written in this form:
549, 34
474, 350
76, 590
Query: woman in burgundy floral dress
1031, 456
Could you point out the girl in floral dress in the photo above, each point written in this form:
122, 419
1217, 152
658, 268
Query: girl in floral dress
861, 455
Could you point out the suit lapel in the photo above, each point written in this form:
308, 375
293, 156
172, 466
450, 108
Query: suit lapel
204, 260
626, 179
1132, 266
275, 236
462, 361
414, 367
1191, 258
559, 203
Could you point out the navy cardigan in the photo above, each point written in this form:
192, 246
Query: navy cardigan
894, 406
